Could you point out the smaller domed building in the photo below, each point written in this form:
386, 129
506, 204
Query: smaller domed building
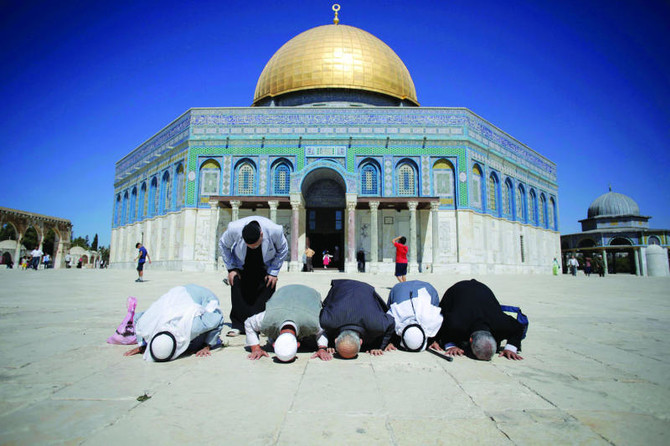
615, 230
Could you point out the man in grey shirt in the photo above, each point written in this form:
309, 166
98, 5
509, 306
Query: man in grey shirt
290, 315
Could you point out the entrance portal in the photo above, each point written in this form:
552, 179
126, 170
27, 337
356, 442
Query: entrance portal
324, 194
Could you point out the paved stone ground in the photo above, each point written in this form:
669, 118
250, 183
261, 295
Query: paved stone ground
597, 371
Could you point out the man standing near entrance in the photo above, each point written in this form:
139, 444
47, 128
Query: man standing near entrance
309, 254
400, 258
142, 257
253, 250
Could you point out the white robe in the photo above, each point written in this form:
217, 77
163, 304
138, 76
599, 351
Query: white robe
174, 312
417, 310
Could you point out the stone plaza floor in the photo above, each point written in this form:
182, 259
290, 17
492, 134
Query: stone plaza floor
596, 371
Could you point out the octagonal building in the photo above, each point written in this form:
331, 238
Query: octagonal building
336, 148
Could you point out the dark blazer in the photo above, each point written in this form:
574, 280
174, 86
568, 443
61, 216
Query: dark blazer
354, 305
469, 306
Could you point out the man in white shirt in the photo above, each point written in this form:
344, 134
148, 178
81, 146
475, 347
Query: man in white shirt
573, 264
36, 257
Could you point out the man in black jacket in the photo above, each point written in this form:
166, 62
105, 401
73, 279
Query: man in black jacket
472, 314
355, 316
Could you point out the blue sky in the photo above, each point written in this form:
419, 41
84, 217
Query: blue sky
82, 83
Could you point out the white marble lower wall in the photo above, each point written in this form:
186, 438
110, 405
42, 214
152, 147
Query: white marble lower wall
469, 243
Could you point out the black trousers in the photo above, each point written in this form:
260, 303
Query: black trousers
248, 296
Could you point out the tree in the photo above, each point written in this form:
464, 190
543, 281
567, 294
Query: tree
49, 242
7, 232
104, 253
94, 245
80, 241
30, 238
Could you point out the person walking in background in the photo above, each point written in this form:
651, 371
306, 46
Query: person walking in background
36, 257
309, 253
600, 266
142, 257
400, 258
573, 264
46, 260
555, 267
587, 266
336, 257
360, 258
326, 259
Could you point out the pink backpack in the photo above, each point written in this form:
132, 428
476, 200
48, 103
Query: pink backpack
125, 332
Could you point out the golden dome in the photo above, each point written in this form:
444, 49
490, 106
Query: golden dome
335, 56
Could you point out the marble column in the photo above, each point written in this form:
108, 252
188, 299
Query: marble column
235, 206
213, 242
350, 265
58, 257
17, 252
637, 261
374, 237
605, 267
273, 210
435, 236
295, 264
413, 265
40, 237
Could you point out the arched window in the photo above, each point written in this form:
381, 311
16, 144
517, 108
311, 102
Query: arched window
521, 211
124, 215
551, 218
476, 194
369, 178
653, 240
143, 201
492, 194
406, 179
507, 198
443, 181
210, 174
166, 193
543, 211
246, 178
532, 204
117, 210
620, 241
133, 205
179, 187
153, 197
282, 178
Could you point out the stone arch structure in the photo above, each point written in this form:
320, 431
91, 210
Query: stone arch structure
22, 220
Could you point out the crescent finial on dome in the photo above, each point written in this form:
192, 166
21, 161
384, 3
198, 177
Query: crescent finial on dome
336, 8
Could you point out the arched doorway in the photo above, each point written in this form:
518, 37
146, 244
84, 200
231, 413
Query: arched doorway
619, 258
324, 191
8, 233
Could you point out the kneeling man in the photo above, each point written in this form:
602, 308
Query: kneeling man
185, 318
414, 306
290, 315
473, 314
355, 315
